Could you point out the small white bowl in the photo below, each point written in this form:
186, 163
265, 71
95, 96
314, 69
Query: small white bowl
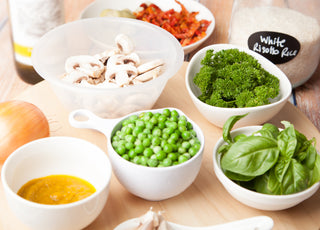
218, 115
252, 198
95, 9
149, 183
52, 156
96, 35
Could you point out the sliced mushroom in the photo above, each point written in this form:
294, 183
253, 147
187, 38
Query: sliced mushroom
86, 64
75, 77
124, 43
147, 76
104, 56
149, 65
121, 74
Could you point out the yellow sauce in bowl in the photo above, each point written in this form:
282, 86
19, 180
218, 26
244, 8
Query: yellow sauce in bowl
56, 189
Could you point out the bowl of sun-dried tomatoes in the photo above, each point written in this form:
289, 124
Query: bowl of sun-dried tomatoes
189, 21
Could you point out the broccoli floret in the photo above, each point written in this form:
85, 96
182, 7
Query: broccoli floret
231, 78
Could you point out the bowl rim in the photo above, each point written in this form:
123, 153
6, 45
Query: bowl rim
226, 46
224, 179
200, 136
198, 5
19, 151
164, 76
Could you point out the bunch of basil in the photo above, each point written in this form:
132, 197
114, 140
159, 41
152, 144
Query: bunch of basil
270, 161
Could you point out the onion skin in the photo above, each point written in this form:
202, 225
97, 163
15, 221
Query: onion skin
20, 123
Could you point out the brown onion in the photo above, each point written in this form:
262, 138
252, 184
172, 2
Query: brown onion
20, 123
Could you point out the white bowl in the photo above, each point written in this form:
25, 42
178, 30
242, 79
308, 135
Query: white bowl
95, 9
95, 35
50, 156
146, 182
251, 198
218, 115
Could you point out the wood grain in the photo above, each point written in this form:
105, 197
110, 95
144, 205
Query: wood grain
205, 202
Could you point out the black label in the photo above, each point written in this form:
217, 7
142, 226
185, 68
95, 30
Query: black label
277, 47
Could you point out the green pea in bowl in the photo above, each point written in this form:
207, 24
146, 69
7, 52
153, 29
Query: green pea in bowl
155, 154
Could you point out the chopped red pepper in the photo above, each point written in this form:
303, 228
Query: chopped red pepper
183, 25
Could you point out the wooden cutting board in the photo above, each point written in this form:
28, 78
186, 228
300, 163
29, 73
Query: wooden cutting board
205, 202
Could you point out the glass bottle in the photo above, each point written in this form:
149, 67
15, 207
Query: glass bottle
30, 19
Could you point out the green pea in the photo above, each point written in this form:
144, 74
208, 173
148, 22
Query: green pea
186, 144
130, 138
139, 149
186, 135
162, 118
156, 141
157, 132
121, 149
154, 120
182, 150
146, 142
161, 155
143, 160
172, 156
174, 136
167, 148
147, 152
174, 113
136, 160
193, 151
129, 145
136, 130
132, 153
161, 125
133, 118
167, 162
149, 125
153, 162
182, 128
126, 157
182, 159
142, 136
166, 112
156, 149
171, 141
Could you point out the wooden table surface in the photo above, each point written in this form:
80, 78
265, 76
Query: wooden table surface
306, 98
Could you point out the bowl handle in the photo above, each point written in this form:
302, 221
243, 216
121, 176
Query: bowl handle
85, 119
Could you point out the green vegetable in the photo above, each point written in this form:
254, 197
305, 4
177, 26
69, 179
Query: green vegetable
234, 79
270, 161
156, 140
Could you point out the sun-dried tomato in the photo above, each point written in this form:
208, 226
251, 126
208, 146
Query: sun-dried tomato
183, 25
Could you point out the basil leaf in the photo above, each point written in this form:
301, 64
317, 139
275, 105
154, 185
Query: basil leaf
269, 130
295, 178
311, 155
315, 173
267, 184
251, 156
287, 140
281, 168
228, 125
237, 177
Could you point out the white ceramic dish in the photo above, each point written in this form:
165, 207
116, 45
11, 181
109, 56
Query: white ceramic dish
253, 223
51, 156
95, 35
95, 9
146, 182
255, 199
218, 115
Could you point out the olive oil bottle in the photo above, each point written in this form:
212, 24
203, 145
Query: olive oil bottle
29, 20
